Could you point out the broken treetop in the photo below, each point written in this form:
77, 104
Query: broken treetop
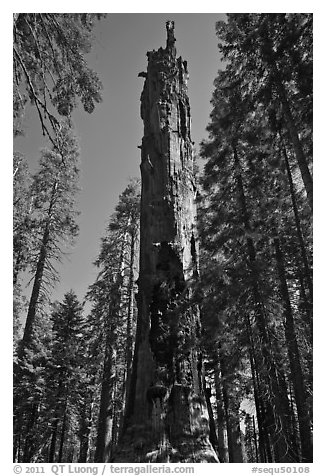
169, 53
168, 187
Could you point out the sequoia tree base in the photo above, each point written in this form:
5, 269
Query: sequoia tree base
177, 431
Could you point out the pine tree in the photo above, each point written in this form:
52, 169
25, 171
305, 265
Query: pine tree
65, 379
54, 190
249, 200
271, 57
29, 392
112, 296
50, 70
22, 217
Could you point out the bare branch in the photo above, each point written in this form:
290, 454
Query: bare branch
39, 104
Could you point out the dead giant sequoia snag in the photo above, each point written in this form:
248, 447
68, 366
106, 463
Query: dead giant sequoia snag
166, 416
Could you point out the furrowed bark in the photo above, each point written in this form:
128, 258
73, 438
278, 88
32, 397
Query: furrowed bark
167, 418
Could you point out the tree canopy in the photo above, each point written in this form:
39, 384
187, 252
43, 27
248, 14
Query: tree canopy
50, 67
75, 360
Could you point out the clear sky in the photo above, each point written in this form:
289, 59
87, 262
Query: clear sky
110, 135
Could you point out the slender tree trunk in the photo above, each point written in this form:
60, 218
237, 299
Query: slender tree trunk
306, 307
278, 398
294, 358
291, 126
229, 418
18, 237
228, 424
221, 417
28, 332
130, 396
255, 439
129, 340
264, 446
83, 449
56, 420
63, 435
115, 420
130, 314
236, 434
280, 403
104, 430
301, 160
53, 441
305, 262
305, 274
294, 421
28, 445
17, 265
85, 431
212, 427
104, 441
293, 449
232, 420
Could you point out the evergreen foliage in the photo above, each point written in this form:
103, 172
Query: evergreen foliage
50, 71
53, 190
256, 230
113, 316
72, 368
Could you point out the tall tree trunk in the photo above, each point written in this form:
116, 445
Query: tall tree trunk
28, 331
264, 445
63, 434
167, 418
57, 414
104, 441
27, 339
221, 417
236, 434
278, 398
255, 439
17, 267
85, 431
290, 122
305, 262
294, 358
83, 449
301, 160
294, 421
32, 417
232, 419
105, 421
130, 314
306, 306
53, 441
227, 419
212, 427
305, 274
